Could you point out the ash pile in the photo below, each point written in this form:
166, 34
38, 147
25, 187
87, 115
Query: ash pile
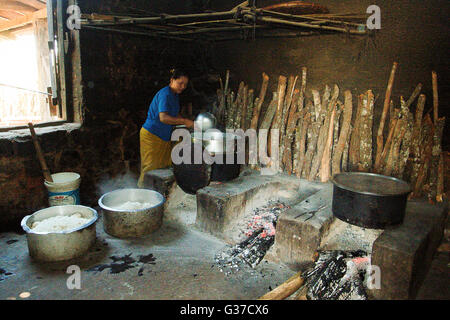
338, 275
258, 236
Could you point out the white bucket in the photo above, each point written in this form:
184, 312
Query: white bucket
64, 190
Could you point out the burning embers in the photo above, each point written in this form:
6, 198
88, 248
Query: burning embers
339, 275
259, 233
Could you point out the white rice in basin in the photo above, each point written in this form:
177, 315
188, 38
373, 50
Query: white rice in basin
60, 223
133, 205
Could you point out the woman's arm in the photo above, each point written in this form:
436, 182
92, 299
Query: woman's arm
165, 118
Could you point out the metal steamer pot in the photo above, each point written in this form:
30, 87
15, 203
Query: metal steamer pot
222, 147
369, 200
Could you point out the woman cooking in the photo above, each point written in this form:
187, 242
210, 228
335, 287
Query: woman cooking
163, 114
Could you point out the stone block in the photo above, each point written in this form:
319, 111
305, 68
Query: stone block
299, 235
404, 253
160, 180
220, 205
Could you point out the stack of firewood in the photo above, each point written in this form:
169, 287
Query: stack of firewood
322, 136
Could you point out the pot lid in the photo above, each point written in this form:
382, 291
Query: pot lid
371, 184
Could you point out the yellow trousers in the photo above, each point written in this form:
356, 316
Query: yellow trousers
155, 153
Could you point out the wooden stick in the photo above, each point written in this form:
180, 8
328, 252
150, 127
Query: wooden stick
345, 133
258, 105
414, 95
285, 289
365, 133
393, 153
426, 154
353, 152
244, 107
323, 134
312, 136
300, 107
414, 162
435, 97
440, 181
436, 155
387, 99
37, 146
301, 138
405, 148
250, 106
326, 158
270, 113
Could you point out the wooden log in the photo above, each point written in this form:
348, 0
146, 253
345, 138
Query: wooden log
344, 165
413, 96
337, 124
294, 116
276, 125
365, 133
286, 289
230, 110
345, 133
244, 107
323, 134
440, 181
300, 107
426, 154
301, 145
435, 156
259, 103
395, 147
387, 145
435, 97
387, 98
239, 107
353, 152
325, 166
414, 161
312, 136
405, 148
270, 113
287, 116
250, 106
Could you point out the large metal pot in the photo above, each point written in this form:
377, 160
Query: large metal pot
131, 223
369, 200
205, 121
192, 176
62, 245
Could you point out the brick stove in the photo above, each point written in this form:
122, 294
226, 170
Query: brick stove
403, 253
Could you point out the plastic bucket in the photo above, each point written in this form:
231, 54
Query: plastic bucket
64, 190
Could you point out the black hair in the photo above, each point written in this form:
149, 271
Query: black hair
178, 73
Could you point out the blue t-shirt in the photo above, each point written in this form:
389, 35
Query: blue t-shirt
164, 101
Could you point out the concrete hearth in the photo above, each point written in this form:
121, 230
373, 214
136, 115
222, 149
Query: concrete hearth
403, 253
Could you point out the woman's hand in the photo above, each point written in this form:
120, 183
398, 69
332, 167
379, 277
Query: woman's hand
188, 123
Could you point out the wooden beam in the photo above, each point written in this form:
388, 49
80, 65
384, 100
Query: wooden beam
19, 22
33, 3
16, 5
10, 15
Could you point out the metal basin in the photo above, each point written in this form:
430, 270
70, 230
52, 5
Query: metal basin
131, 223
369, 200
61, 245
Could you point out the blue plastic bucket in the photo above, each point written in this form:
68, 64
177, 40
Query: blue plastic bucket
64, 190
